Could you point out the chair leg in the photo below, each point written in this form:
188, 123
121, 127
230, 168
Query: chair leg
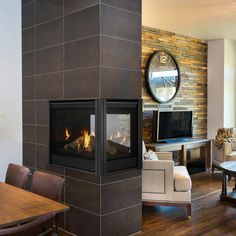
189, 210
56, 225
212, 169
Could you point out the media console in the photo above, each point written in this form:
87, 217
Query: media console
205, 146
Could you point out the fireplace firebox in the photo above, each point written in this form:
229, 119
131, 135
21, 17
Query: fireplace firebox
96, 135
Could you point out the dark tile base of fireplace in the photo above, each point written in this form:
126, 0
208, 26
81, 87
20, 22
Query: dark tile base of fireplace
109, 205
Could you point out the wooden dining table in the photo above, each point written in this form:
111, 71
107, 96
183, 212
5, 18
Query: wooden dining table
19, 206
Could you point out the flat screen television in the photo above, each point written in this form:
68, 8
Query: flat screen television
172, 125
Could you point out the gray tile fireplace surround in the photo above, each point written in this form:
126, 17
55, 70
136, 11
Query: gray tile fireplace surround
72, 50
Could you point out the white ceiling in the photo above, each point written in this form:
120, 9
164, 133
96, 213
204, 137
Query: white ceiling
203, 19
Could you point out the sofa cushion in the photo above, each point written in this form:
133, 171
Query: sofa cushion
182, 180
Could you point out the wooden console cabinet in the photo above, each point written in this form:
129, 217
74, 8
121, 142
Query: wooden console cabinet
205, 146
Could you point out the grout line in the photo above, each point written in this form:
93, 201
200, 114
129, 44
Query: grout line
118, 181
91, 212
28, 3
121, 9
80, 68
63, 52
80, 39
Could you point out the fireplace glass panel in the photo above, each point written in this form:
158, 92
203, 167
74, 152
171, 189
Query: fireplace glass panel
73, 134
121, 135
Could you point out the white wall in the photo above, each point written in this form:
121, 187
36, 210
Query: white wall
215, 86
229, 83
10, 85
221, 85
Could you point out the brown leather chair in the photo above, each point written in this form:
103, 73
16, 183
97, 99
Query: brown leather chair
47, 185
41, 226
17, 175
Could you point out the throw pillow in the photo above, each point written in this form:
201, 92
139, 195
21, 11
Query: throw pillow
150, 155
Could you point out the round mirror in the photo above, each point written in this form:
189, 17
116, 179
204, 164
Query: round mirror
163, 76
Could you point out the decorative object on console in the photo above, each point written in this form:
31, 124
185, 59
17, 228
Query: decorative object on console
162, 76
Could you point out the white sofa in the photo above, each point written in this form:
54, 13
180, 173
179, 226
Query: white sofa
166, 184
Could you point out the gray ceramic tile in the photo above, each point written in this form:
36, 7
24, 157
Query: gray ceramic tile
28, 15
118, 83
29, 133
47, 10
118, 195
28, 64
134, 5
75, 5
42, 112
120, 53
81, 175
82, 53
42, 135
26, 1
28, 87
29, 154
120, 176
43, 160
49, 60
88, 199
125, 222
49, 33
82, 223
121, 24
28, 40
81, 24
82, 83
28, 112
49, 86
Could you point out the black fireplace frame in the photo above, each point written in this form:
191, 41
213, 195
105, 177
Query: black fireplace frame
100, 106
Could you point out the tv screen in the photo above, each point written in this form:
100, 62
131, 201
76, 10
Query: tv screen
174, 124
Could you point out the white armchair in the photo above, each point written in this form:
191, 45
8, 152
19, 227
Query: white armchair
166, 184
226, 151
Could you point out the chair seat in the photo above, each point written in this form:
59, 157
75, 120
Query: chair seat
182, 180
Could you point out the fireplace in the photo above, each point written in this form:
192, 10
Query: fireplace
98, 135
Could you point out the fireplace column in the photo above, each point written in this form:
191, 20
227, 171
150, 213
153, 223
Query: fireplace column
75, 50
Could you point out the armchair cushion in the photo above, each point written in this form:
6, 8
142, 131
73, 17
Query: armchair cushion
231, 156
182, 180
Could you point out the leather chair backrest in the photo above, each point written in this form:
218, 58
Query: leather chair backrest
47, 185
17, 175
41, 226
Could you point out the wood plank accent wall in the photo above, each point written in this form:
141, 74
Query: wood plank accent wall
191, 55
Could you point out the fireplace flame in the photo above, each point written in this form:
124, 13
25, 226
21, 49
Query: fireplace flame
86, 138
117, 135
118, 138
67, 134
123, 141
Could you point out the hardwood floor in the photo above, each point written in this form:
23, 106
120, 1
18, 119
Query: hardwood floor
210, 216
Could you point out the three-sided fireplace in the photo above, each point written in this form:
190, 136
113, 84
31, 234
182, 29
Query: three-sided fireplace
96, 135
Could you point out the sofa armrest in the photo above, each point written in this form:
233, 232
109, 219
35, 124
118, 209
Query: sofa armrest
165, 155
